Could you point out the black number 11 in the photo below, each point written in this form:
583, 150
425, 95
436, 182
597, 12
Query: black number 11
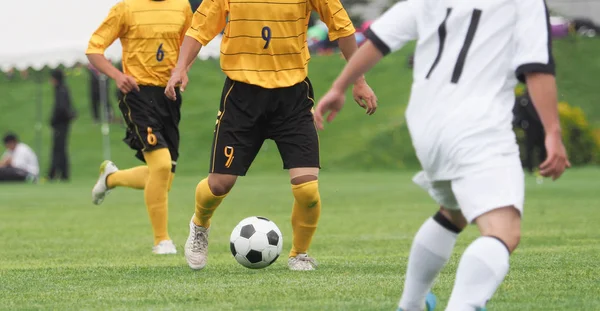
462, 56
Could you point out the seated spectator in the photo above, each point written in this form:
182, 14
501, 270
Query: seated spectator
19, 163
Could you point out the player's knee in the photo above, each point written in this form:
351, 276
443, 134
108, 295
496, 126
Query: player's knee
303, 175
503, 224
450, 220
307, 193
221, 184
162, 168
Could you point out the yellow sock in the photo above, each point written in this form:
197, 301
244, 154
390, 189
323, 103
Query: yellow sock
135, 178
206, 204
305, 215
156, 191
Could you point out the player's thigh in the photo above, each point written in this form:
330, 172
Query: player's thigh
237, 135
491, 188
293, 128
143, 122
440, 191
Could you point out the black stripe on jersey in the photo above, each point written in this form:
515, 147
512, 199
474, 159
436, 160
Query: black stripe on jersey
161, 10
263, 54
379, 44
265, 2
160, 24
337, 11
260, 37
442, 34
268, 70
550, 67
462, 56
268, 20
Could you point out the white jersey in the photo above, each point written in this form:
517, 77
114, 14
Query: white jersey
24, 158
468, 58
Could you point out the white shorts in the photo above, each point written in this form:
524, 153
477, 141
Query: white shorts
481, 192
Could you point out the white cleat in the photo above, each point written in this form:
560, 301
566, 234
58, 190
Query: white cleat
165, 247
196, 246
302, 263
100, 189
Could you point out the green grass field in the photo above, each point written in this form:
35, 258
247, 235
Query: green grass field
59, 252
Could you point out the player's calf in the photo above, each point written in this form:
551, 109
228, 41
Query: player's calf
305, 216
430, 251
503, 224
485, 262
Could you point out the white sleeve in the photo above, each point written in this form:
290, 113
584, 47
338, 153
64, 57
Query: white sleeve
533, 39
394, 28
19, 158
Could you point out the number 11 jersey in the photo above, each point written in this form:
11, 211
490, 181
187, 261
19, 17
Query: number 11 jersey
468, 59
264, 42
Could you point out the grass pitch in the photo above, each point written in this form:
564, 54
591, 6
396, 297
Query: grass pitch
59, 252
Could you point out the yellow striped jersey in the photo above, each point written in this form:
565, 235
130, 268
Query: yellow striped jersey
264, 42
151, 32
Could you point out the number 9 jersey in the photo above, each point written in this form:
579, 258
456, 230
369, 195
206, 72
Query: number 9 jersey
264, 41
151, 33
469, 57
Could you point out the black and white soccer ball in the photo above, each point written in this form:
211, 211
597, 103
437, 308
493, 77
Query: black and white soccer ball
256, 242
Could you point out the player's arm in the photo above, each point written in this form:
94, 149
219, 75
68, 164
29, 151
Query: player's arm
340, 27
188, 23
389, 33
111, 28
534, 65
5, 161
207, 22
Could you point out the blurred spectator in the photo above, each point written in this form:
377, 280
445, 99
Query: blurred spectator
62, 116
95, 96
19, 162
526, 118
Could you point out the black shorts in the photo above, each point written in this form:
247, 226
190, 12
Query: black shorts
152, 121
249, 114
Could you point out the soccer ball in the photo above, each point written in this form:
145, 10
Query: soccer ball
256, 242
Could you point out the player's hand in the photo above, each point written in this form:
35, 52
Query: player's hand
126, 84
178, 77
364, 96
329, 105
556, 162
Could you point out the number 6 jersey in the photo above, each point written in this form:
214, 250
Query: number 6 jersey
264, 42
151, 33
469, 57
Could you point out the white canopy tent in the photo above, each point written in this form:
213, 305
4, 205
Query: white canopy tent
40, 33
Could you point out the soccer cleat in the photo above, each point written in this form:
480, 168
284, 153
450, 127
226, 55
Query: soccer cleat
481, 309
100, 189
196, 246
430, 302
165, 247
302, 263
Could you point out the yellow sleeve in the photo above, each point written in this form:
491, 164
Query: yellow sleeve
188, 19
208, 21
112, 27
336, 18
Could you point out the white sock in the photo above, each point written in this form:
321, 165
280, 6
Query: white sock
431, 249
482, 268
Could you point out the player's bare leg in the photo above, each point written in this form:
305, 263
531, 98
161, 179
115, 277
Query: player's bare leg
485, 262
430, 251
210, 192
305, 216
